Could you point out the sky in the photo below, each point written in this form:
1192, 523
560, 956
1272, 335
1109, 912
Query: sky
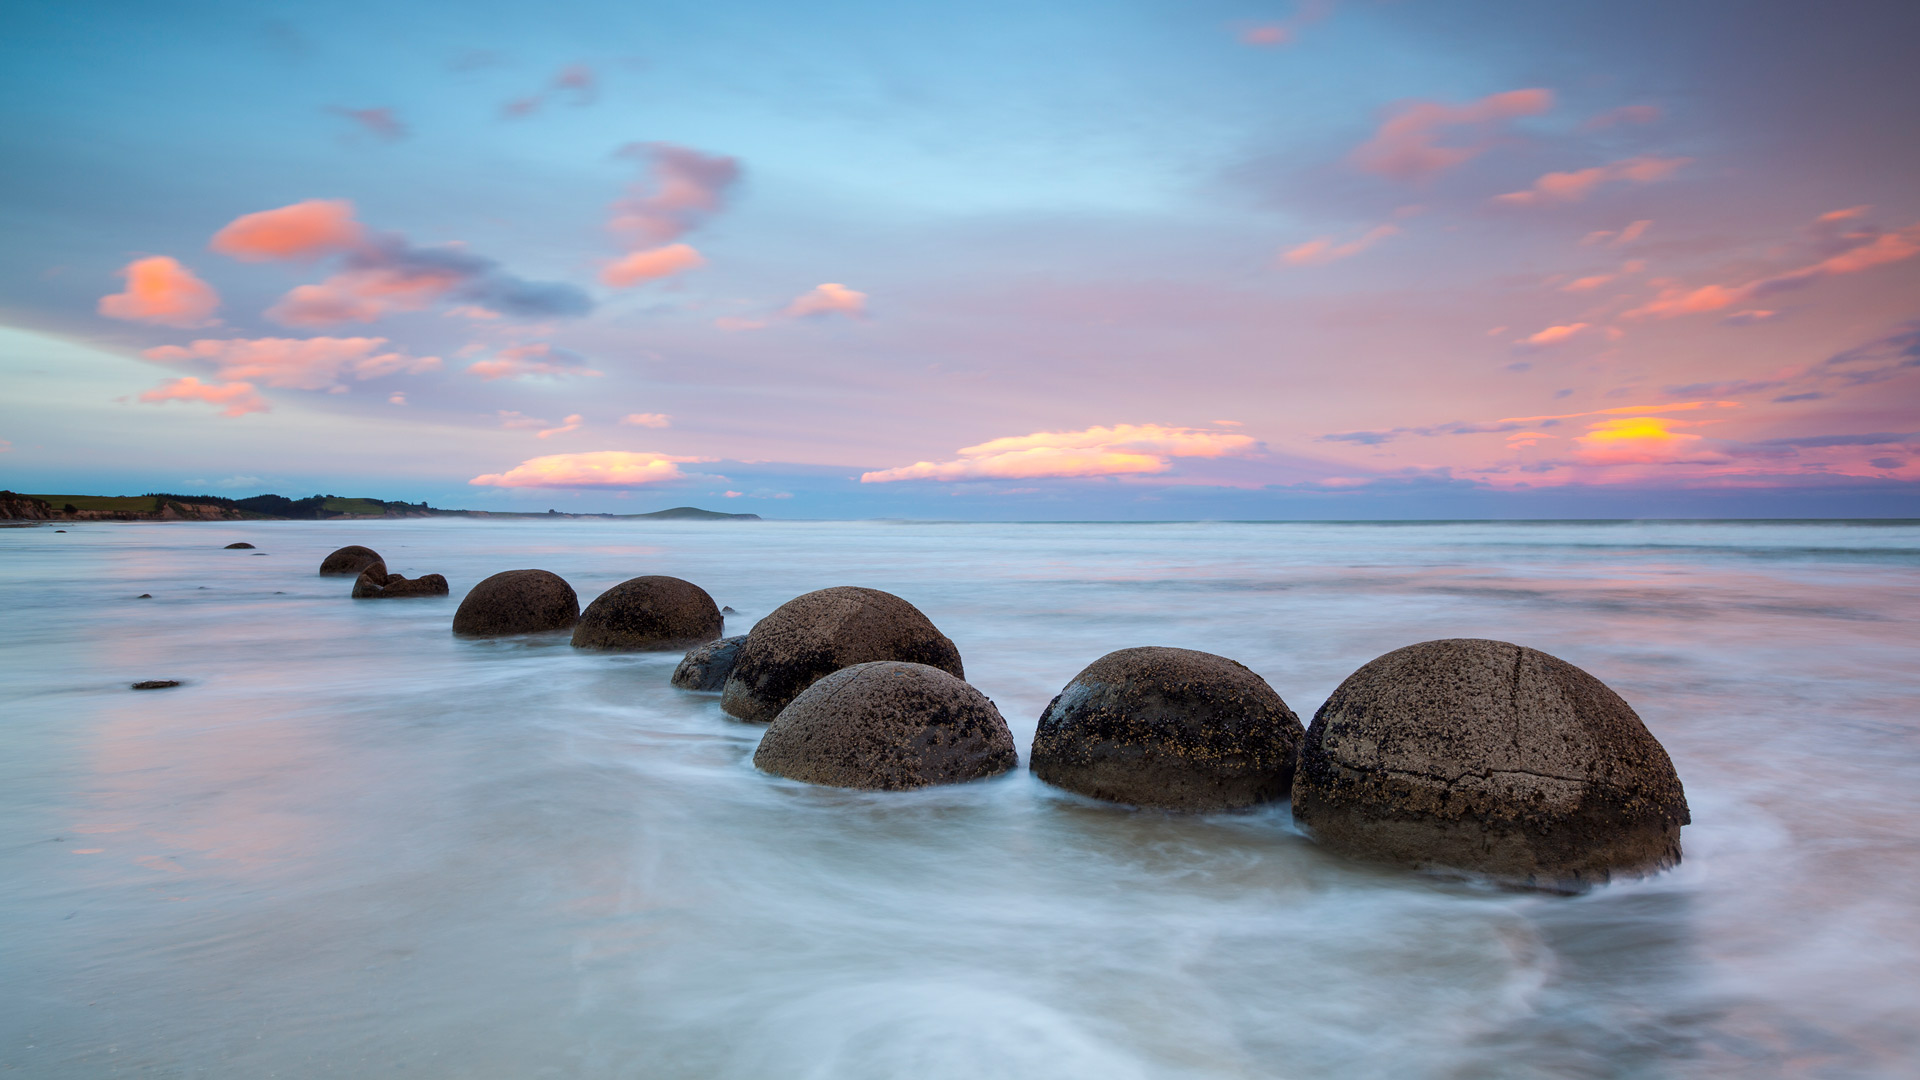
1337, 259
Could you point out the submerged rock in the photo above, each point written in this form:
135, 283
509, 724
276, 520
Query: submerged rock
374, 585
243, 545
887, 726
652, 612
706, 667
1169, 728
1493, 758
350, 560
517, 602
814, 635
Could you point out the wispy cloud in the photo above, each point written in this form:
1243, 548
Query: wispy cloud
318, 363
532, 360
381, 123
829, 299
1324, 249
1121, 450
237, 399
596, 469
1407, 145
1570, 187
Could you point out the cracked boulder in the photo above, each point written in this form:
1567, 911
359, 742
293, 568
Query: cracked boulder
1491, 758
375, 584
349, 561
812, 636
1169, 728
517, 602
706, 667
648, 613
887, 726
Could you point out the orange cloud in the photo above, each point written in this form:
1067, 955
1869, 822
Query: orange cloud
160, 290
522, 361
1554, 335
1406, 146
600, 468
1323, 250
1884, 248
1566, 187
571, 423
1617, 239
647, 419
239, 398
1634, 440
1587, 284
318, 363
1121, 450
304, 230
651, 264
827, 299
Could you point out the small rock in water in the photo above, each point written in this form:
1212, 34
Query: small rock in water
156, 684
1170, 728
651, 612
237, 546
887, 726
706, 667
1488, 757
816, 634
517, 602
144, 596
350, 560
372, 584
728, 611
59, 530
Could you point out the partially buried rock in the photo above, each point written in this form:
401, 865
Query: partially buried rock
374, 585
706, 667
349, 561
1492, 758
517, 602
243, 544
887, 726
652, 612
813, 636
1170, 728
156, 684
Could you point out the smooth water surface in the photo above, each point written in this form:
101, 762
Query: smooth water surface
351, 845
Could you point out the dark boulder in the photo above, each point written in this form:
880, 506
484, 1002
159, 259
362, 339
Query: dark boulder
349, 561
706, 667
813, 636
1492, 758
156, 684
242, 545
517, 602
652, 612
1170, 728
887, 726
374, 585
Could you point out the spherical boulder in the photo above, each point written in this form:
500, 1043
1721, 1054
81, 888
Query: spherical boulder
517, 602
1174, 729
706, 667
374, 585
1488, 757
813, 636
243, 545
887, 725
349, 561
650, 612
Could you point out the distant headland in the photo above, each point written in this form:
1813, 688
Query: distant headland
160, 506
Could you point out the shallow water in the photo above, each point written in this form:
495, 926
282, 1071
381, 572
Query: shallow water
351, 845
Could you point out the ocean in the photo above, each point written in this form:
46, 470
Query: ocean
351, 845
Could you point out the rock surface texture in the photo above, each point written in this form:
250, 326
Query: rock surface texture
241, 545
517, 602
1491, 758
813, 636
887, 726
349, 561
651, 612
1170, 728
374, 585
706, 667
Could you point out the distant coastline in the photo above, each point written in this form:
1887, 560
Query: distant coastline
155, 506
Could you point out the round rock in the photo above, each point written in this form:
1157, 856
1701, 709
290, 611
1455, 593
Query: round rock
651, 612
517, 602
706, 667
372, 584
813, 636
243, 545
887, 726
349, 561
1170, 728
1491, 758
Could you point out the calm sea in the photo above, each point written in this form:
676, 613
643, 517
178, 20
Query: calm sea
353, 846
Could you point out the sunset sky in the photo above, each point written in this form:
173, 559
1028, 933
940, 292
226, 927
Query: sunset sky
1401, 258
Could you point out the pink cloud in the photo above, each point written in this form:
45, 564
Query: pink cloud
1617, 239
598, 469
1121, 450
734, 324
1880, 250
304, 230
381, 123
514, 420
1406, 146
579, 81
1749, 318
525, 361
1566, 187
571, 423
1588, 283
318, 363
647, 419
1323, 249
239, 398
160, 290
1265, 35
1272, 34
1553, 335
828, 299
651, 264
685, 187
367, 294
1848, 214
